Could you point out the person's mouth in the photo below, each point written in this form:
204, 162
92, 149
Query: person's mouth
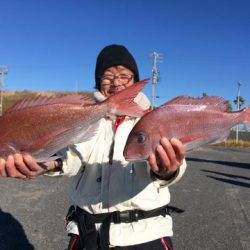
116, 89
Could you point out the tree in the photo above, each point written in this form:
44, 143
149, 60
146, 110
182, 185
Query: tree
241, 101
204, 94
229, 106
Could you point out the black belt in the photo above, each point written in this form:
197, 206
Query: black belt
87, 230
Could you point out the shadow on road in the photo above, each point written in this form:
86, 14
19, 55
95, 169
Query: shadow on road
12, 235
227, 175
238, 183
226, 163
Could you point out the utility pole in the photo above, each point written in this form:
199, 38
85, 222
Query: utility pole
238, 108
155, 79
3, 73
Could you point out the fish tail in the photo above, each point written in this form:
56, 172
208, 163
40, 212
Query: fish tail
246, 116
122, 103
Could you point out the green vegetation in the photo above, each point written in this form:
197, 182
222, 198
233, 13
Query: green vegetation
241, 101
229, 106
233, 143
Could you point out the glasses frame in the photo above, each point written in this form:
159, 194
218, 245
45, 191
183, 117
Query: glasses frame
111, 81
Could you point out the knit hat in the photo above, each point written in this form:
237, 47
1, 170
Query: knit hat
114, 55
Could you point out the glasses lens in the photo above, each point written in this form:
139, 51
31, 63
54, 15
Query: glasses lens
123, 78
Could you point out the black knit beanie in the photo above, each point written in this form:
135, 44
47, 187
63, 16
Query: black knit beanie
114, 55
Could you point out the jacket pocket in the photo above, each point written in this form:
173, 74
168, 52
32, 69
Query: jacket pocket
81, 174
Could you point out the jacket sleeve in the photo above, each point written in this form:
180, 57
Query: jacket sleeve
174, 179
75, 156
73, 160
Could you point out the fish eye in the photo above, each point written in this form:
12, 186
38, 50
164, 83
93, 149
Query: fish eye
140, 137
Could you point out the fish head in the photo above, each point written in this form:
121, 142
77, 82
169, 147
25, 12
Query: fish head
138, 146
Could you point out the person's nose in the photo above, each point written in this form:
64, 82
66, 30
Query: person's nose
116, 82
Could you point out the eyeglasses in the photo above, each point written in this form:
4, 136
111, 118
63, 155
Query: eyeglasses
123, 79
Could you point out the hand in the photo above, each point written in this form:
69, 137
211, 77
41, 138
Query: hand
23, 166
168, 156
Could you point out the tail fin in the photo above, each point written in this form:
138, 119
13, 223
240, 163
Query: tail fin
246, 116
122, 103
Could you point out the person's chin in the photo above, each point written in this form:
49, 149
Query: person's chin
115, 91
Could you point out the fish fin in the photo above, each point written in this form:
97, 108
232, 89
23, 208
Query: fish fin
196, 144
47, 159
190, 138
224, 136
246, 116
214, 101
28, 102
122, 103
82, 135
45, 140
6, 150
238, 111
243, 115
71, 136
199, 140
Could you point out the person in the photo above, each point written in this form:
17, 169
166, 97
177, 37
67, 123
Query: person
116, 204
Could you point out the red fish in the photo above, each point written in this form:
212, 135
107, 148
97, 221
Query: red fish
194, 121
41, 126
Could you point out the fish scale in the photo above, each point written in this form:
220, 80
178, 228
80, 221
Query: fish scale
194, 121
42, 126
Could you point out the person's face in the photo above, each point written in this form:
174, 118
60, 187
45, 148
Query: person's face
116, 79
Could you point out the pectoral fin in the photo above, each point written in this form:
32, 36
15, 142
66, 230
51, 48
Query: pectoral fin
195, 141
6, 150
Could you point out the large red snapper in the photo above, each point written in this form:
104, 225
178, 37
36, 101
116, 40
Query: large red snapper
194, 121
42, 126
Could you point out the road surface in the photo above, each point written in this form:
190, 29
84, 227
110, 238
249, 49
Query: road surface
214, 193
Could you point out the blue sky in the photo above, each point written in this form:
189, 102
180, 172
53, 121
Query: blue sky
53, 45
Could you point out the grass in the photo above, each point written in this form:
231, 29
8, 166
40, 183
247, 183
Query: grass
233, 143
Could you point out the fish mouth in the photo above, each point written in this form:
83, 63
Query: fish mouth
130, 155
135, 159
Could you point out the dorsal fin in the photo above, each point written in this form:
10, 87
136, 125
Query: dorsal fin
214, 101
28, 102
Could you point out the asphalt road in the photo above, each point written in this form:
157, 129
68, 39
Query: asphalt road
214, 193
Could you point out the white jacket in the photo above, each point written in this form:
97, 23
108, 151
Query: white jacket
99, 187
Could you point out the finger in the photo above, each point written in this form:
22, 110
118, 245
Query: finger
179, 149
20, 165
2, 168
47, 166
164, 159
11, 169
50, 165
153, 163
32, 164
169, 151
